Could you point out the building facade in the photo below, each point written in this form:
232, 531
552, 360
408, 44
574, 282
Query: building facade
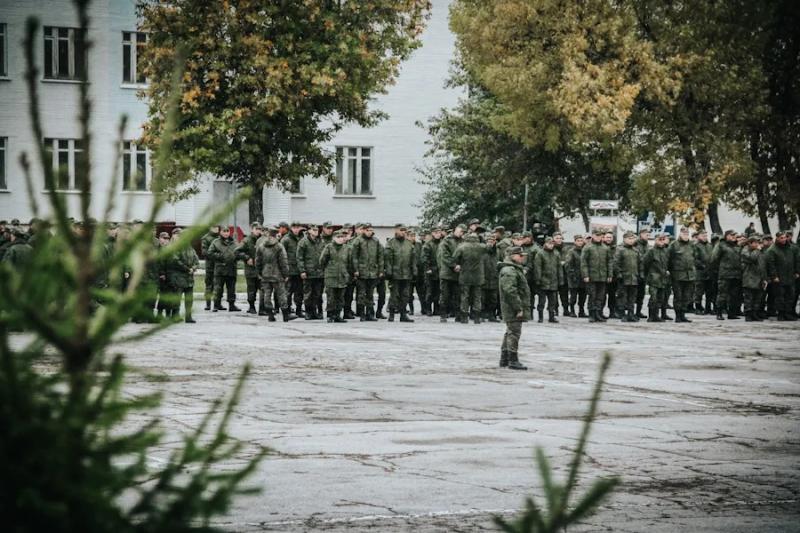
376, 177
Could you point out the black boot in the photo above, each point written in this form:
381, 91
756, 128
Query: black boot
719, 314
271, 315
503, 358
404, 317
551, 317
748, 316
379, 313
208, 305
287, 316
665, 316
592, 316
513, 362
652, 317
391, 315
628, 317
339, 319
189, 320
370, 314
639, 313
252, 309
443, 318
541, 316
330, 318
218, 307
581, 313
232, 307
261, 310
299, 312
348, 313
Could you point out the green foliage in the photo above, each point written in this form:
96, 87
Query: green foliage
474, 170
266, 83
74, 461
557, 513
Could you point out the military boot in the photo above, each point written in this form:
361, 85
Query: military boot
348, 313
189, 320
503, 358
287, 315
541, 316
665, 316
628, 317
572, 312
252, 309
404, 317
218, 307
391, 315
652, 316
581, 313
271, 315
551, 317
513, 362
477, 319
683, 317
379, 313
719, 314
410, 308
261, 310
339, 319
370, 314
232, 307
592, 316
639, 313
443, 318
208, 305
748, 316
299, 312
331, 319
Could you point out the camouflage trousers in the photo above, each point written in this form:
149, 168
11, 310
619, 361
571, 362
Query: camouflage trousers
626, 297
489, 301
398, 298
784, 298
511, 337
552, 301
448, 296
702, 287
365, 289
658, 300
563, 295
209, 280
597, 295
577, 296
253, 288
470, 298
294, 291
682, 294
312, 294
752, 299
276, 289
335, 300
227, 283
432, 291
729, 295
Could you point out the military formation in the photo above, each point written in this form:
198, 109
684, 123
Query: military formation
467, 273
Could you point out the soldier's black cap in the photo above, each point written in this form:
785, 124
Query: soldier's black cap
283, 224
516, 250
399, 226
327, 224
15, 222
598, 231
3, 222
729, 232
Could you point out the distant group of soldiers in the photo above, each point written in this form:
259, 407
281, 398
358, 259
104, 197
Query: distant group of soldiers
457, 273
454, 273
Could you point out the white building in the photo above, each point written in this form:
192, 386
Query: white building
385, 189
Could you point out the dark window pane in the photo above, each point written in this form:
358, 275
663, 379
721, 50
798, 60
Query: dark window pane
48, 58
352, 170
3, 71
48, 31
141, 169
63, 144
365, 152
365, 177
78, 144
126, 171
63, 32
2, 164
62, 180
80, 55
62, 66
126, 145
352, 152
126, 36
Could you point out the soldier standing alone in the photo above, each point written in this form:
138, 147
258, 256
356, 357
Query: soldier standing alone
515, 303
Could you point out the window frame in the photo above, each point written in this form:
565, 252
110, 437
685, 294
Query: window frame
52, 147
346, 162
132, 150
131, 51
3, 50
3, 163
76, 54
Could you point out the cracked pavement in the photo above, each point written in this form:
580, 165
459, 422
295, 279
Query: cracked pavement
394, 427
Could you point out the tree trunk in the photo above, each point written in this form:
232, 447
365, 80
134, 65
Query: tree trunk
585, 217
256, 205
713, 218
760, 182
783, 219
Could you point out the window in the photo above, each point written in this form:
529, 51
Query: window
353, 170
3, 142
3, 51
64, 54
136, 171
133, 44
297, 186
65, 153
